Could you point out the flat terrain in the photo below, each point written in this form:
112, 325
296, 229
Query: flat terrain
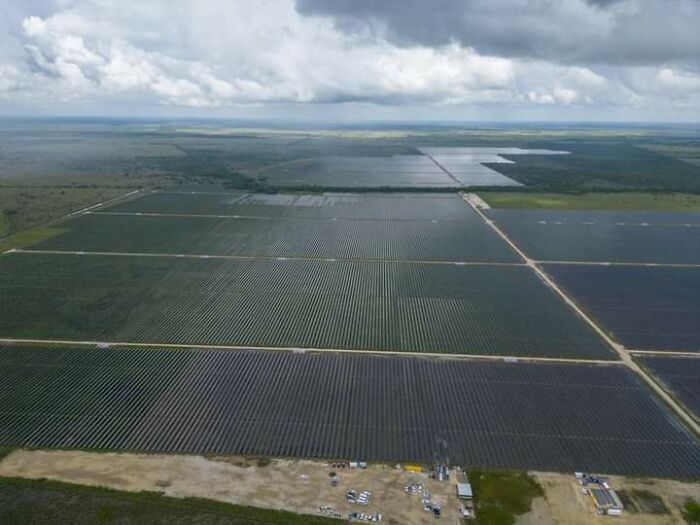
434, 228
276, 484
415, 273
680, 375
671, 202
426, 207
479, 413
645, 308
564, 504
443, 308
412, 171
548, 235
378, 272
21, 208
272, 484
30, 502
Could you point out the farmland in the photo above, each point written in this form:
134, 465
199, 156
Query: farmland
290, 303
654, 308
680, 375
486, 414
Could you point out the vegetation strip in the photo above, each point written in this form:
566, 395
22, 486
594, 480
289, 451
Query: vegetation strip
32, 501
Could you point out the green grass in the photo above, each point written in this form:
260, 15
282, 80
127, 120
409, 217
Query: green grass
691, 512
30, 502
5, 451
675, 202
501, 496
29, 237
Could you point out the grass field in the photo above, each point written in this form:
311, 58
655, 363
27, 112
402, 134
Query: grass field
501, 496
29, 237
676, 202
31, 502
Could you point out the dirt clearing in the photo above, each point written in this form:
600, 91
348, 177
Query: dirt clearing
294, 485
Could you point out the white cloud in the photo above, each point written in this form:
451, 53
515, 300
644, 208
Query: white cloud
226, 53
680, 82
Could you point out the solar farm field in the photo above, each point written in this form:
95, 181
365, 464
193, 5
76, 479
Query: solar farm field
468, 165
601, 236
643, 307
486, 414
460, 237
435, 167
680, 375
444, 308
348, 172
366, 206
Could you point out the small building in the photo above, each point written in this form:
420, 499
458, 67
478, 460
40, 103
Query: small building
464, 491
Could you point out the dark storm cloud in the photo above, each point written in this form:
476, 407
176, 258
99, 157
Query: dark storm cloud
620, 32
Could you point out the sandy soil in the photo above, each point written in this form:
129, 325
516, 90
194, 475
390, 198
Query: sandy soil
564, 503
283, 484
278, 484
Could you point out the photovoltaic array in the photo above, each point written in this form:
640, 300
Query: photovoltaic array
680, 375
483, 309
385, 408
407, 274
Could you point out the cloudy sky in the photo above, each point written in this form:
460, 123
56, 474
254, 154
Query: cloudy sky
601, 60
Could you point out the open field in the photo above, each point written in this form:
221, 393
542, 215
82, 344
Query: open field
564, 504
672, 202
237, 481
481, 309
249, 481
475, 413
590, 236
680, 375
650, 308
241, 480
